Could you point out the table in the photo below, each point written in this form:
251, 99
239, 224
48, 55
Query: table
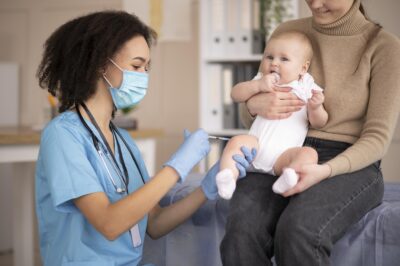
20, 145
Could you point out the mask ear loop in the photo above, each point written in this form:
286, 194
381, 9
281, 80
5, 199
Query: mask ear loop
117, 66
106, 79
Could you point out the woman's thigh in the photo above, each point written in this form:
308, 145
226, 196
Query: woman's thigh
253, 213
326, 210
254, 206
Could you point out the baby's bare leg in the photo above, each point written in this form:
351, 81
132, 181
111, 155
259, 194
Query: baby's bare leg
287, 162
226, 178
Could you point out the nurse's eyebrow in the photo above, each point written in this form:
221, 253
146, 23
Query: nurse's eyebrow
139, 58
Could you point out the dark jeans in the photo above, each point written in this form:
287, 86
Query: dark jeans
302, 229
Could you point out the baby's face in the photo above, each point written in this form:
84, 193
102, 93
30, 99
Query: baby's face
286, 57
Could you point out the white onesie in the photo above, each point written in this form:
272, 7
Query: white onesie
276, 136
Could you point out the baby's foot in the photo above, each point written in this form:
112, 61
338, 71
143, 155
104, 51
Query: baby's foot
286, 181
226, 183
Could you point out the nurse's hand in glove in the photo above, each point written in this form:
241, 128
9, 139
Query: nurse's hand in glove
208, 184
194, 148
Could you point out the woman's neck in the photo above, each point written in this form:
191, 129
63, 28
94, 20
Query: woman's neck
101, 106
351, 23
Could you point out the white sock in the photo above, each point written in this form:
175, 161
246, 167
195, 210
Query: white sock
226, 183
286, 181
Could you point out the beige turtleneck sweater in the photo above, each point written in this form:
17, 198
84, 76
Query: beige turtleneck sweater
358, 65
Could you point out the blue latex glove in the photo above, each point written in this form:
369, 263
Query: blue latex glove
194, 148
209, 185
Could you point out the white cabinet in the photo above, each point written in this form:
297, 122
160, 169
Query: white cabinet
232, 39
147, 147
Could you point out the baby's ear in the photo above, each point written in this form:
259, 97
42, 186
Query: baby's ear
305, 67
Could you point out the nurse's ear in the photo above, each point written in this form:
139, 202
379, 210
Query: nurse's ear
102, 70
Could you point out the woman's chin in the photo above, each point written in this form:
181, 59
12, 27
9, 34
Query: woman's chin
324, 18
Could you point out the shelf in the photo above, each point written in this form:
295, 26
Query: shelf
233, 59
228, 132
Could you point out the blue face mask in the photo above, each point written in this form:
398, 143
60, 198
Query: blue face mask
132, 90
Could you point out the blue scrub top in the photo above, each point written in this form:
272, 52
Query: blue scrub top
69, 167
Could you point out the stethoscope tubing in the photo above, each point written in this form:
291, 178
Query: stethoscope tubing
108, 171
96, 143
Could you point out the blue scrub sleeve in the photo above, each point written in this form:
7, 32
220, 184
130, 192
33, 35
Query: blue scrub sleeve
65, 153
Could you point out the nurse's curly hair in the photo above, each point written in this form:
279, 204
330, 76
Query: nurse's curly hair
76, 54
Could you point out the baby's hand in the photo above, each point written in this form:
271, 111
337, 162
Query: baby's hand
267, 82
316, 100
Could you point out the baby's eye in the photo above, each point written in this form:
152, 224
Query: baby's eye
270, 57
285, 59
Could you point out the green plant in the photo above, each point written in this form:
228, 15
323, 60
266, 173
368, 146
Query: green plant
127, 110
272, 13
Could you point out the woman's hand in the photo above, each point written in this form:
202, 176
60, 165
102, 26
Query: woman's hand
278, 104
309, 175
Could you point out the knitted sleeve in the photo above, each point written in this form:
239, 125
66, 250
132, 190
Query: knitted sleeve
383, 108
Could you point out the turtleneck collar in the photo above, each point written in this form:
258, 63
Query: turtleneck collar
351, 23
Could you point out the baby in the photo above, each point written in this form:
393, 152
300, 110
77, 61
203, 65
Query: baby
279, 143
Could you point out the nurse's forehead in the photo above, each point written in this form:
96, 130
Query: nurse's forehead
135, 48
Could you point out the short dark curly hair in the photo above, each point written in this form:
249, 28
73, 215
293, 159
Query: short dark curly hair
77, 52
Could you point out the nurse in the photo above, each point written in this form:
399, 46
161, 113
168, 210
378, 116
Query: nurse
94, 198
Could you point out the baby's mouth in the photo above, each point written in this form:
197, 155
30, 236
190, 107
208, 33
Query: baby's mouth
276, 74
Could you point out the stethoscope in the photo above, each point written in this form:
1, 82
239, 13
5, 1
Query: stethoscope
107, 153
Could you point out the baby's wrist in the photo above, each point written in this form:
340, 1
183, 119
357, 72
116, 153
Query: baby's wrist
327, 170
260, 87
315, 106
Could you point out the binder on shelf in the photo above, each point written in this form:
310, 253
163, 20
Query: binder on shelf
232, 25
214, 98
258, 42
243, 72
257, 32
217, 27
228, 117
250, 70
239, 76
244, 27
